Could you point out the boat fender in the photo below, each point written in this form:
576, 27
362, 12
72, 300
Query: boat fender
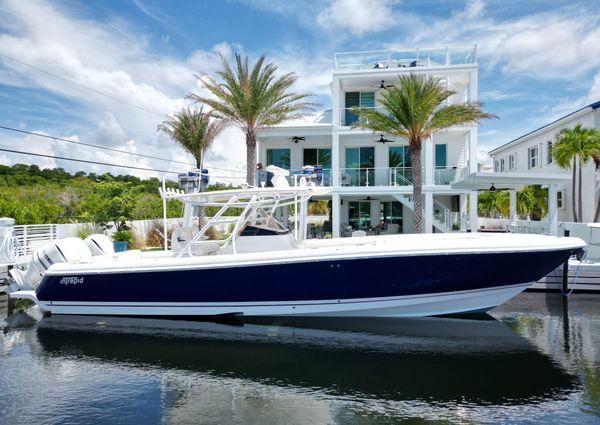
99, 244
67, 250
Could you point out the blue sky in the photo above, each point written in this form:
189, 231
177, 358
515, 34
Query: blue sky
108, 72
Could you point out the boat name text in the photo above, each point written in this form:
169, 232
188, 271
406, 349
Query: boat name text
71, 280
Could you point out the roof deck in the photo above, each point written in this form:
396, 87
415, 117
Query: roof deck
406, 58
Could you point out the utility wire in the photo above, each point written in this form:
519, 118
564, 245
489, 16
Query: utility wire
111, 149
91, 145
83, 86
87, 161
104, 163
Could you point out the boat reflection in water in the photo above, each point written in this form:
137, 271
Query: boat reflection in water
434, 360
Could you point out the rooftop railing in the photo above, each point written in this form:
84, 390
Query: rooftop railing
406, 58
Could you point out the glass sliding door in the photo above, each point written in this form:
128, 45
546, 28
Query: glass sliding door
401, 165
279, 158
391, 213
318, 156
359, 166
359, 214
357, 99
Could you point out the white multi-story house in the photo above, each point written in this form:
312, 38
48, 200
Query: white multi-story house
531, 153
370, 174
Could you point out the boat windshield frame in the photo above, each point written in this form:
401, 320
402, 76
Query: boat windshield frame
259, 207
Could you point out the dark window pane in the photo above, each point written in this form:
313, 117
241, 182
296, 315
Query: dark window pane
440, 155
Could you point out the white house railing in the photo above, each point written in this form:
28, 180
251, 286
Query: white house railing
406, 58
28, 237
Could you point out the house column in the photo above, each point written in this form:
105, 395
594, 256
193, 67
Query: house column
428, 163
552, 210
473, 165
428, 212
336, 112
336, 213
512, 209
335, 159
474, 224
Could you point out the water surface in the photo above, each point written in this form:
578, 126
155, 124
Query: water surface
533, 360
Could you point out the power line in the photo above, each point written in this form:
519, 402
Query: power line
83, 86
110, 149
91, 145
103, 163
87, 161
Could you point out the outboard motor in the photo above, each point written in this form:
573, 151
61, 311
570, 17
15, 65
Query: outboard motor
59, 251
99, 244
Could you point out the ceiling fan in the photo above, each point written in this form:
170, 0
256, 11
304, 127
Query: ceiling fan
383, 86
494, 189
384, 141
297, 139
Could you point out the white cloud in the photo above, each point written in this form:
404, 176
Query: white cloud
358, 16
558, 43
570, 105
103, 57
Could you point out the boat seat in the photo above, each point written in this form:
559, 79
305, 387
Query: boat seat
183, 235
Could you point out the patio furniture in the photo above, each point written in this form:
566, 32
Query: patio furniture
392, 229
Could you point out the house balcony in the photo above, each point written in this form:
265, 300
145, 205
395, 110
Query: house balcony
362, 177
406, 58
391, 176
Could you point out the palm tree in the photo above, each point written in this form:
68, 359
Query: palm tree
414, 111
573, 148
253, 99
194, 130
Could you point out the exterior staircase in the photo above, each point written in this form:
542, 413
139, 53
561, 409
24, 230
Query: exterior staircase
444, 220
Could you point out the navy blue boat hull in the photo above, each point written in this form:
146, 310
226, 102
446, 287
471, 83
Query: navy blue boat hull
348, 279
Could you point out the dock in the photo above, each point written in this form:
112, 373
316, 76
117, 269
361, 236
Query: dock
584, 275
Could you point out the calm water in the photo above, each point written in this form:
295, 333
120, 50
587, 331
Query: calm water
534, 360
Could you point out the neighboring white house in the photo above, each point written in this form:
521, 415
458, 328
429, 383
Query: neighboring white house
530, 154
370, 174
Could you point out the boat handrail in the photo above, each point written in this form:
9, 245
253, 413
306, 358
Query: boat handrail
206, 226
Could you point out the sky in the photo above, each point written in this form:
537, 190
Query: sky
107, 73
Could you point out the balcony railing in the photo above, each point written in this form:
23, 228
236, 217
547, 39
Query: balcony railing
445, 175
407, 58
376, 176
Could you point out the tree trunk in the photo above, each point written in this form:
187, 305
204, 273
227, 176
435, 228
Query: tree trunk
415, 158
250, 156
579, 196
573, 186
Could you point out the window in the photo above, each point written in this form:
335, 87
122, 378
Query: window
440, 156
533, 155
496, 166
549, 153
318, 157
560, 196
512, 161
502, 165
279, 158
357, 99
